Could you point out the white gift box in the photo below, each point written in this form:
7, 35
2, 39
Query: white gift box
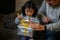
21, 30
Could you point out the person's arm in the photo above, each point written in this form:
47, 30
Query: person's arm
17, 20
53, 26
42, 10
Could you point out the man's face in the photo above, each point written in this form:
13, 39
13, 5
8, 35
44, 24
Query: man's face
53, 2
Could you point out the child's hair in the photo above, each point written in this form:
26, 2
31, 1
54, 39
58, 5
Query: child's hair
29, 4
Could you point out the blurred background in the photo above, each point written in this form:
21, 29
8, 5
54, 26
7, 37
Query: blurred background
8, 10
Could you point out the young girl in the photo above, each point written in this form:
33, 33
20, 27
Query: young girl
29, 10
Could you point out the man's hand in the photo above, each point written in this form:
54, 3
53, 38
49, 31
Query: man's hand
46, 20
37, 26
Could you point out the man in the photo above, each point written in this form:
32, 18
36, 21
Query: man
50, 11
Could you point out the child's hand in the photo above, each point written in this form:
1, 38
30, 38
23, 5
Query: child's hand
19, 17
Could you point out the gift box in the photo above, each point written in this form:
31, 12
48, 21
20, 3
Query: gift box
25, 31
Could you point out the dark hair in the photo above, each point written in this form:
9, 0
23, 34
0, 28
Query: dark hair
29, 4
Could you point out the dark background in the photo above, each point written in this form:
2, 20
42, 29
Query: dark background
7, 6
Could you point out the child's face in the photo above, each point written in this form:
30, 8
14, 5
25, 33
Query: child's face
53, 2
29, 11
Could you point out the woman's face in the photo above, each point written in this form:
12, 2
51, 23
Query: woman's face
29, 11
53, 2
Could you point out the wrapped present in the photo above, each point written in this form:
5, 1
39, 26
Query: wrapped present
24, 28
25, 31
